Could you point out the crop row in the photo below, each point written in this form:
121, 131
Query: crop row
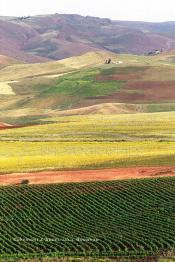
103, 218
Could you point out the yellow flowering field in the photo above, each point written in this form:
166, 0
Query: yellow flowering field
30, 156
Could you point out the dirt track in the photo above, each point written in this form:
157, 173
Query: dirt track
87, 175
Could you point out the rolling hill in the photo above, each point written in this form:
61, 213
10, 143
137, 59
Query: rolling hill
53, 37
54, 68
5, 61
85, 85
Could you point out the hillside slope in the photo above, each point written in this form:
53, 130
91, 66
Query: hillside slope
54, 68
86, 85
6, 60
57, 36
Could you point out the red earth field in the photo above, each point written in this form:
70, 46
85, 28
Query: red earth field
5, 126
48, 177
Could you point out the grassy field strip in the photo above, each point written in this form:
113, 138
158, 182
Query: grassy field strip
29, 156
129, 127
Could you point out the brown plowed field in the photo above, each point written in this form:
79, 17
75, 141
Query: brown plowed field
48, 177
154, 90
140, 92
119, 77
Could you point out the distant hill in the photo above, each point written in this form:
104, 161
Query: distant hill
5, 61
58, 36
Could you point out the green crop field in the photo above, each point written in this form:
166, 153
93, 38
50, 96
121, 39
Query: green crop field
84, 84
126, 218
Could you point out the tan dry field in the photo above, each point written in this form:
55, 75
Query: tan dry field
6, 89
105, 109
51, 177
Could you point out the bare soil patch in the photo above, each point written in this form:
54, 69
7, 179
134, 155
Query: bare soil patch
5, 126
49, 177
154, 90
119, 77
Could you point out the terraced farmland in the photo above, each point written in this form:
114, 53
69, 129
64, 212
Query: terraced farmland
126, 218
